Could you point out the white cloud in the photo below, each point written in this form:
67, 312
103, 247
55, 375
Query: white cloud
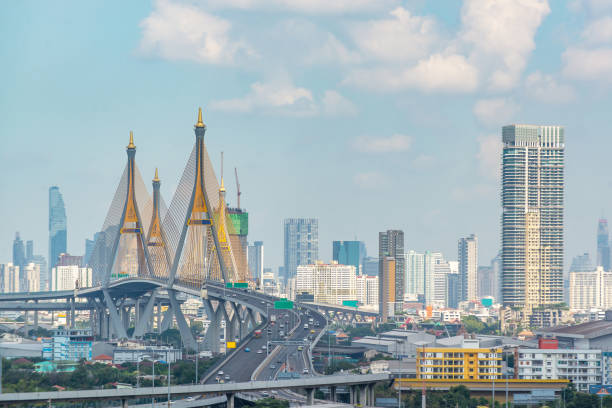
401, 37
372, 180
287, 99
495, 111
545, 88
334, 104
501, 34
593, 6
307, 6
278, 97
177, 31
437, 73
489, 155
588, 64
394, 144
599, 31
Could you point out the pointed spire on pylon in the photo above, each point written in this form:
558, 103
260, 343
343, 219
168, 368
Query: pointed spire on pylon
131, 145
222, 187
156, 175
200, 123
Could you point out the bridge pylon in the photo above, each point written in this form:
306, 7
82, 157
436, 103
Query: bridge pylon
202, 232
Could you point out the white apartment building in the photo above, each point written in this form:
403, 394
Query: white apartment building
581, 366
420, 274
328, 283
32, 277
367, 290
441, 269
589, 290
68, 277
468, 267
9, 278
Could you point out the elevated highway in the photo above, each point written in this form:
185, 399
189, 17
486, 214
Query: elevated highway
362, 387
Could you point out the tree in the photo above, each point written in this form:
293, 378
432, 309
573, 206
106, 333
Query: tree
271, 403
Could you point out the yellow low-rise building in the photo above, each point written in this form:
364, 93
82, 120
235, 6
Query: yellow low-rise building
468, 362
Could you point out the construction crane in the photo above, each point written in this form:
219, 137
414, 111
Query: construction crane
237, 186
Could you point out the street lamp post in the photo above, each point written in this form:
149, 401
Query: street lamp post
196, 362
168, 359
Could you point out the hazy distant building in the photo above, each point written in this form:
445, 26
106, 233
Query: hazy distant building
32, 278
9, 278
90, 244
391, 244
370, 266
603, 244
349, 253
256, 260
486, 281
468, 267
582, 263
532, 216
57, 226
301, 244
453, 290
19, 258
442, 268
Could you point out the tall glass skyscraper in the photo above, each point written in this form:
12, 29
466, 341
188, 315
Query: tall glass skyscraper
349, 253
603, 244
301, 244
57, 227
532, 215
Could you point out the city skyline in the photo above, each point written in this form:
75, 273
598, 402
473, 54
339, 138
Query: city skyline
382, 154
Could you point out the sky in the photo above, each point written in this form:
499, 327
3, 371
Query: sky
366, 114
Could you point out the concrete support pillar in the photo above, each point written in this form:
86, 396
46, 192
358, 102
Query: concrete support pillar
124, 403
333, 396
72, 313
137, 312
310, 393
363, 395
371, 397
36, 316
352, 395
230, 400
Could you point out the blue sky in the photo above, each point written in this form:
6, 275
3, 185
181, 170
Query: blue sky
367, 114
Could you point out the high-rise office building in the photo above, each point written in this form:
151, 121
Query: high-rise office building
9, 278
453, 290
468, 267
532, 216
57, 227
90, 244
603, 244
68, 274
349, 253
415, 273
256, 260
387, 287
589, 290
301, 246
391, 244
328, 283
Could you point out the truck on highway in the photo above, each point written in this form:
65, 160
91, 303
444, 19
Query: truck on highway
273, 318
305, 326
257, 334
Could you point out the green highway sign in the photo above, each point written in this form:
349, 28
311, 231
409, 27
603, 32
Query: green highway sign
283, 304
241, 285
349, 303
229, 285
